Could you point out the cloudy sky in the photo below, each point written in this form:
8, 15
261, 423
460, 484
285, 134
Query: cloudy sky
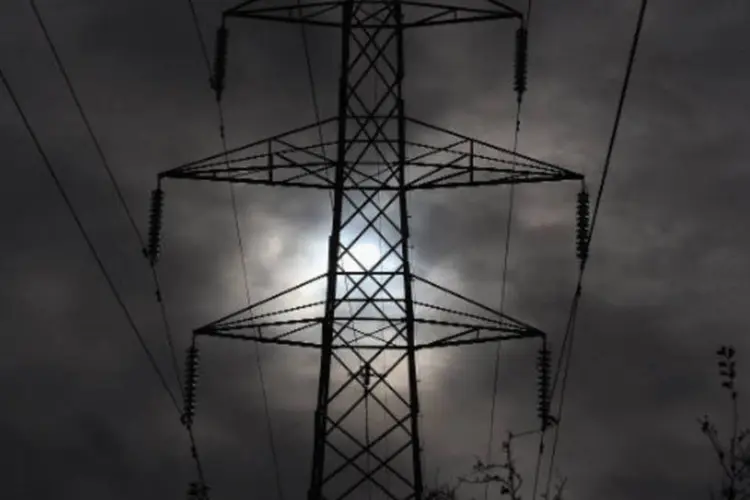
85, 417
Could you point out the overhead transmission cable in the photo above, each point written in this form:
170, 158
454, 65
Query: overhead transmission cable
238, 231
150, 253
571, 323
520, 87
113, 180
521, 77
87, 239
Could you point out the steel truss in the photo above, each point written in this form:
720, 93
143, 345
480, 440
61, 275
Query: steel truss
369, 308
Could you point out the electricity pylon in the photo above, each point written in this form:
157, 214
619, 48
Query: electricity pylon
367, 303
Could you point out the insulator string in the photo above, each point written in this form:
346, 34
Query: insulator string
582, 224
155, 225
192, 363
521, 59
217, 76
543, 384
564, 362
220, 61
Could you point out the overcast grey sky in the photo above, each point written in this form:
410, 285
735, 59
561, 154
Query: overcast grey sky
84, 416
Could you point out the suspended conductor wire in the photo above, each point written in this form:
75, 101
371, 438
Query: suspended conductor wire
196, 456
222, 133
150, 253
201, 39
115, 185
87, 239
258, 359
503, 290
87, 123
154, 274
520, 87
313, 87
571, 325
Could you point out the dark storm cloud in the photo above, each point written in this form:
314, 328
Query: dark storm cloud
83, 415
664, 265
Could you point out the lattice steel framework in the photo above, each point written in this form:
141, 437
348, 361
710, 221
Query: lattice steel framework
368, 307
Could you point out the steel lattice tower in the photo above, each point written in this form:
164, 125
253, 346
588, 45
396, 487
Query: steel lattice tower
368, 305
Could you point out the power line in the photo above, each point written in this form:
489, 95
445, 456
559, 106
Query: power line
261, 376
238, 231
87, 239
506, 256
199, 36
86, 122
570, 330
153, 272
113, 181
311, 80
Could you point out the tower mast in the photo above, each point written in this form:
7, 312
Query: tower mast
369, 306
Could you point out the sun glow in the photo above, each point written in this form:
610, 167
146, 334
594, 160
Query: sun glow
366, 255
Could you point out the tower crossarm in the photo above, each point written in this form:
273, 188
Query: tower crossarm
445, 159
449, 319
292, 159
437, 158
415, 14
469, 335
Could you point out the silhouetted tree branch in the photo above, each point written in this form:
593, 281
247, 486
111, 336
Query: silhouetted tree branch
734, 456
504, 474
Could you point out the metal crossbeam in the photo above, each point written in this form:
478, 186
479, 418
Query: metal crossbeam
294, 160
415, 14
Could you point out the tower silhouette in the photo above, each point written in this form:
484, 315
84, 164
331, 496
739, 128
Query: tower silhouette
367, 303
